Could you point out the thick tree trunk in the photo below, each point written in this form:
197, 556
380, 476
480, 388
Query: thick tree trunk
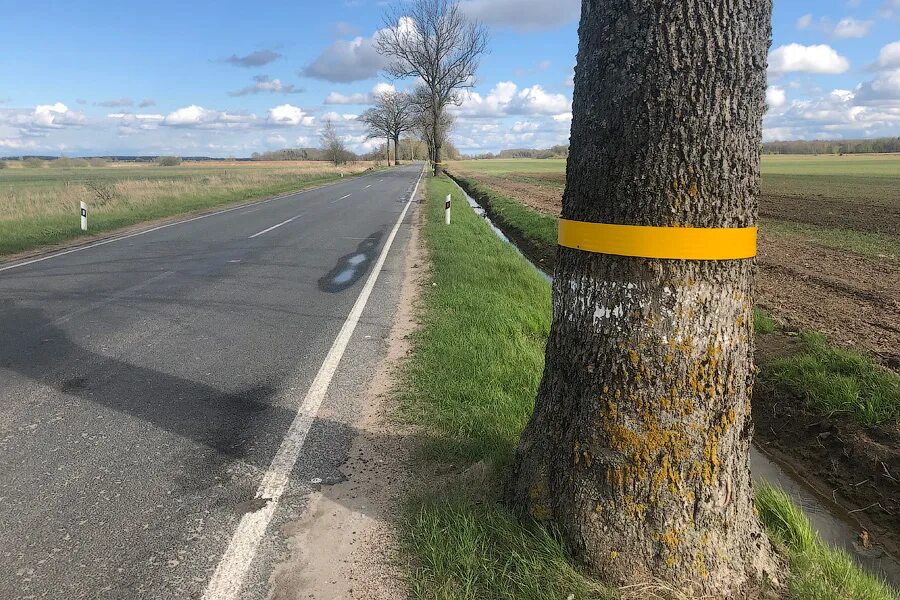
387, 150
638, 448
396, 149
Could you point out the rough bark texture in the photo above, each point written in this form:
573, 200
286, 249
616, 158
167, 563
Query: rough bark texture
436, 132
638, 448
396, 149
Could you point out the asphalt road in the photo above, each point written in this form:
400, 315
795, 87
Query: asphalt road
147, 383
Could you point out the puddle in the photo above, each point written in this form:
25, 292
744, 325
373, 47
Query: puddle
836, 530
351, 267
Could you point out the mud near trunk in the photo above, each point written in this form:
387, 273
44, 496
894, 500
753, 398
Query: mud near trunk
878, 547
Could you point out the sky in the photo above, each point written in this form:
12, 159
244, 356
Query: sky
230, 78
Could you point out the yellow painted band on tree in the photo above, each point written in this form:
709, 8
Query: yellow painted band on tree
680, 243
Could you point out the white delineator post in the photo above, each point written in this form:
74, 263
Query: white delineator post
83, 216
447, 210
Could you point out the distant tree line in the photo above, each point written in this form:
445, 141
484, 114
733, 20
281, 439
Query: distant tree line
558, 151
297, 154
888, 144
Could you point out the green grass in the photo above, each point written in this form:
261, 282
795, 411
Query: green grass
516, 165
469, 383
510, 215
816, 570
835, 380
487, 317
763, 321
466, 550
867, 244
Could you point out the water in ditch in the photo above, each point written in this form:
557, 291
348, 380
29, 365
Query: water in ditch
833, 525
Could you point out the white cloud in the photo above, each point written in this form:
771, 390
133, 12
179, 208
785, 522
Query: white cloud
804, 21
264, 84
851, 28
359, 97
339, 98
289, 115
347, 60
46, 117
197, 116
523, 14
775, 97
506, 99
885, 89
889, 56
838, 114
818, 59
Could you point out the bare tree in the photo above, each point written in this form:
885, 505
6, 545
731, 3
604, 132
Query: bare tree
434, 41
398, 110
432, 132
378, 125
333, 147
638, 447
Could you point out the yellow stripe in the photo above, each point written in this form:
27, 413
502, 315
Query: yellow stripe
683, 243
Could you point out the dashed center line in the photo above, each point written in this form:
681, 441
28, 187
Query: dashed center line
273, 227
341, 198
368, 186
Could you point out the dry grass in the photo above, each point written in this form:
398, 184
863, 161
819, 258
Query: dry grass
44, 192
40, 205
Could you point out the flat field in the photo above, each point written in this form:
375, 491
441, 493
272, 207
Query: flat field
40, 205
829, 245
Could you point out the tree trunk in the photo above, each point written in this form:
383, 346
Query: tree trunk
387, 150
396, 149
436, 133
638, 447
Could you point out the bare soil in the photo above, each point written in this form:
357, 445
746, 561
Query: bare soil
833, 213
852, 299
858, 468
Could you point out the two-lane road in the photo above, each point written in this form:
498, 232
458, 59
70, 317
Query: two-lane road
151, 386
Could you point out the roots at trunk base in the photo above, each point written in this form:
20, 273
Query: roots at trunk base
638, 448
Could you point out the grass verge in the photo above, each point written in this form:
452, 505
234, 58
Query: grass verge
763, 321
469, 383
816, 571
836, 380
535, 233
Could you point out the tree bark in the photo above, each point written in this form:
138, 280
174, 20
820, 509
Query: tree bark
436, 132
638, 447
387, 150
396, 149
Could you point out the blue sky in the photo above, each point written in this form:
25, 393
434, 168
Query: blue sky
230, 78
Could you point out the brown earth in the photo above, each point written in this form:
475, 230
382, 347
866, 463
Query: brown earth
832, 213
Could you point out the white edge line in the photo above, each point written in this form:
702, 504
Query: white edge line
285, 222
229, 575
157, 228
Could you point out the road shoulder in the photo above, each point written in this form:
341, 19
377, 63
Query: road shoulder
346, 544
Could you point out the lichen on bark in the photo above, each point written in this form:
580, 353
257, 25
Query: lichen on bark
638, 448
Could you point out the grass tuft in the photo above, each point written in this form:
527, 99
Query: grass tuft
469, 551
763, 321
837, 380
816, 571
